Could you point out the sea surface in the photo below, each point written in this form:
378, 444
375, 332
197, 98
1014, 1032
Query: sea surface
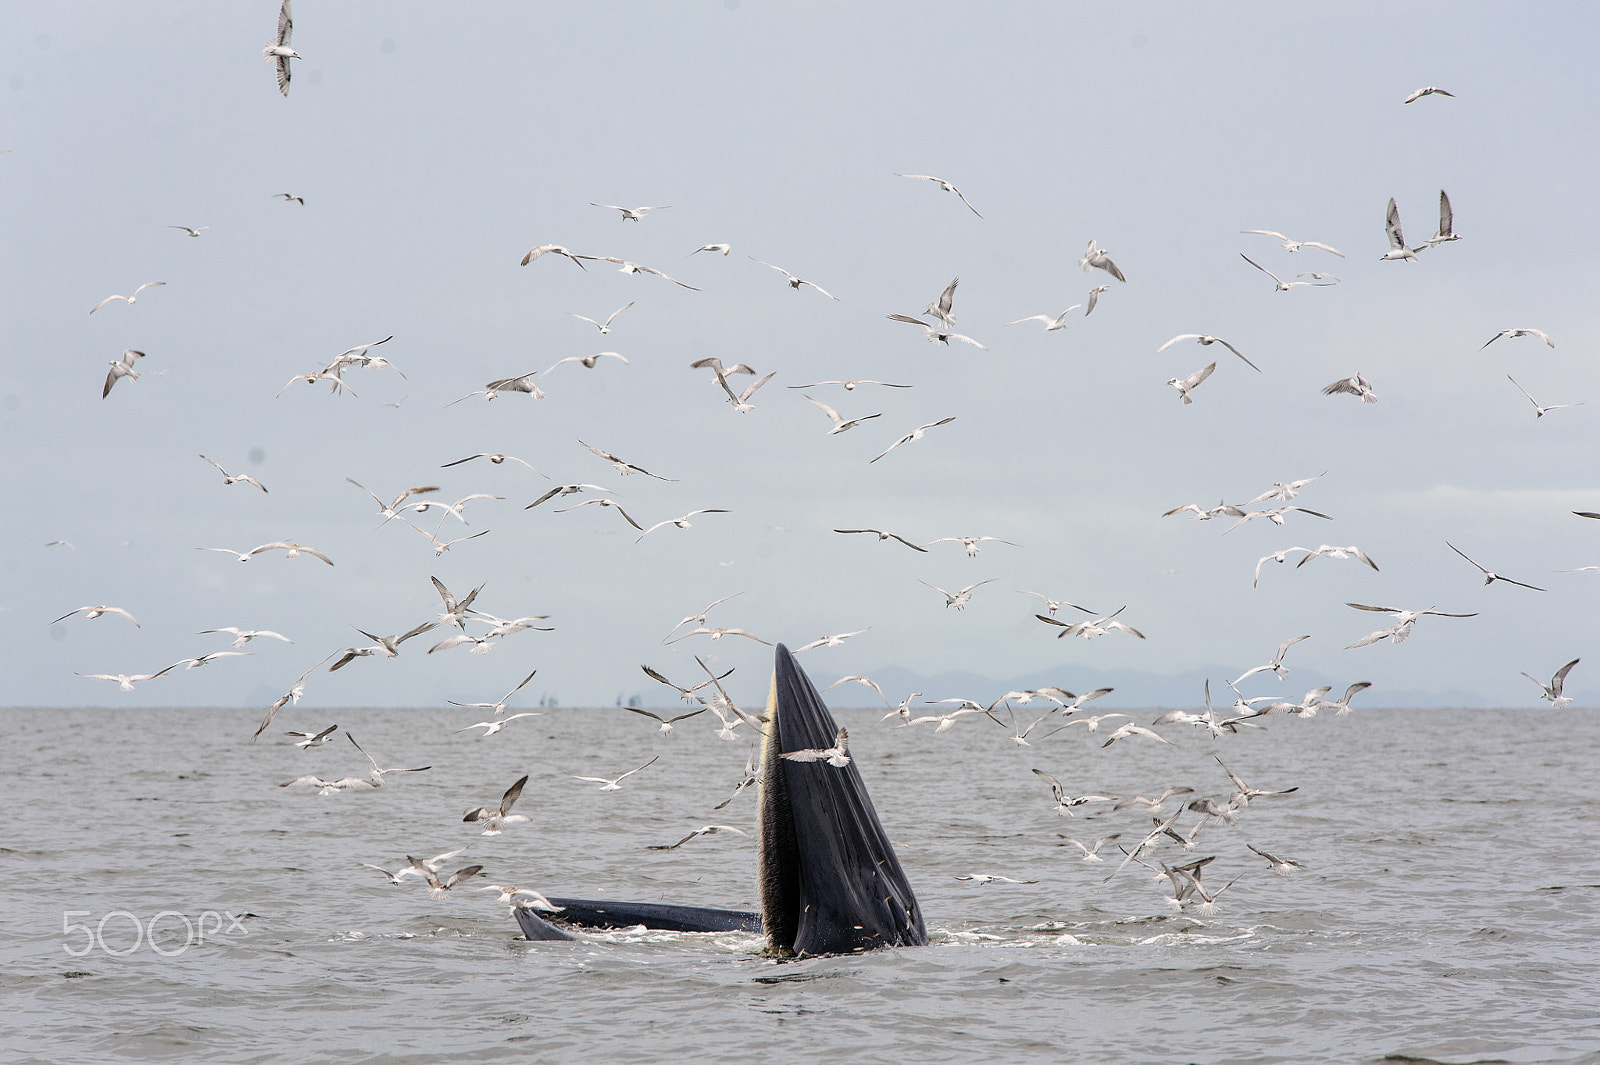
1448, 909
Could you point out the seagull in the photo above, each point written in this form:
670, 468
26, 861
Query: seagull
1154, 805
1131, 729
1538, 411
717, 634
913, 436
796, 282
741, 401
1276, 556
666, 723
278, 49
563, 490
493, 456
1355, 386
723, 248
1397, 240
933, 332
491, 727
1096, 256
496, 819
1202, 514
1052, 605
838, 641
1241, 789
682, 523
289, 197
438, 888
481, 645
943, 184
121, 368
604, 327
971, 542
92, 612
941, 308
1276, 665
1330, 551
335, 382
626, 267
1343, 703
1294, 245
1095, 627
1282, 285
704, 830
1195, 380
624, 468
1091, 853
1404, 621
1446, 223
881, 535
191, 232
1489, 577
387, 646
309, 740
296, 690
840, 423
698, 619
1094, 298
838, 755
555, 249
985, 879
452, 509
849, 386
958, 600
946, 721
604, 502
903, 711
505, 384
615, 784
455, 611
1512, 334
432, 864
378, 772
536, 899
1275, 515
686, 694
1065, 802
1286, 490
126, 299
328, 787
1206, 340
1552, 691
1429, 91
1050, 324
631, 214
1019, 735
392, 509
127, 680
497, 707
1281, 866
229, 478
244, 636
865, 682
589, 362
290, 550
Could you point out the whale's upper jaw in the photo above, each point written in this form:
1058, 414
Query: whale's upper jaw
830, 881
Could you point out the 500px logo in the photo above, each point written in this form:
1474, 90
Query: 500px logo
194, 931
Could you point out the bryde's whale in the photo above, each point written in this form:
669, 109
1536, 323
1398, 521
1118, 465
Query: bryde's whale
829, 879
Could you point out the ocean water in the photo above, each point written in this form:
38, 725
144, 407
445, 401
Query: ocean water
1448, 909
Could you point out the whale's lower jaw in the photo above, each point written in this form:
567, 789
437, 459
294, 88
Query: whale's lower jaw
829, 879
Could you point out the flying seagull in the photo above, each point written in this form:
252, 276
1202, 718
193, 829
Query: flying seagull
121, 368
943, 184
1096, 256
1431, 90
605, 326
1355, 385
230, 478
1538, 411
1446, 223
796, 282
1397, 240
1294, 245
1188, 384
881, 535
1282, 285
1206, 340
126, 299
1552, 691
631, 214
278, 49
913, 436
1488, 576
494, 819
615, 783
1512, 334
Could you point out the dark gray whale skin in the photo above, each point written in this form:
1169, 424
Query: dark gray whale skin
830, 882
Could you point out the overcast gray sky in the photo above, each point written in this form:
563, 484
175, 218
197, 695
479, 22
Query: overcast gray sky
434, 146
